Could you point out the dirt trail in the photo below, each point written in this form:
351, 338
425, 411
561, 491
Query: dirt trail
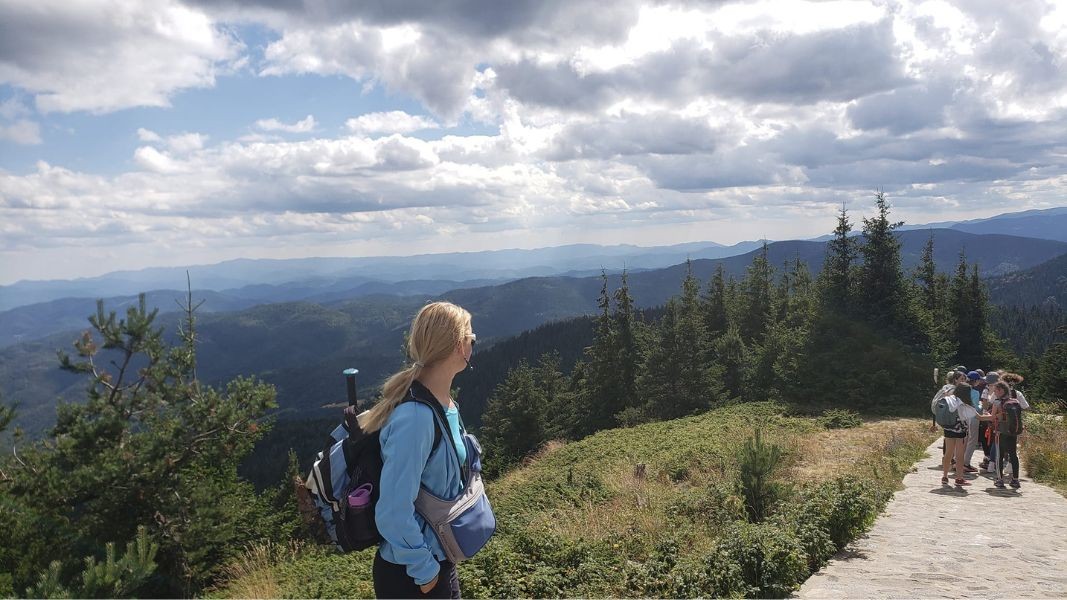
936, 541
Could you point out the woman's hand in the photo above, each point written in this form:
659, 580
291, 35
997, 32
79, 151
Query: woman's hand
425, 588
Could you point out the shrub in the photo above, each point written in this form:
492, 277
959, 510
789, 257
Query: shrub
843, 507
756, 561
840, 418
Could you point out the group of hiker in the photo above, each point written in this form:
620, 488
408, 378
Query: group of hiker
979, 408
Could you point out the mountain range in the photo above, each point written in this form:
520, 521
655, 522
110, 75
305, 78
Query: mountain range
314, 279
301, 346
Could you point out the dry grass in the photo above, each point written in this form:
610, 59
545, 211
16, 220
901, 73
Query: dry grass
835, 452
1044, 451
637, 508
253, 574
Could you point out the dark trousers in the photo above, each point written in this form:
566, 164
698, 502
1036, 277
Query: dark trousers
1008, 449
987, 444
392, 581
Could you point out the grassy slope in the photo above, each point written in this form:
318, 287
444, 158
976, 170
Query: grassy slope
576, 521
1044, 450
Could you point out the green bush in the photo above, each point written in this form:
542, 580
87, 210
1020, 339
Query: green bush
843, 507
756, 561
840, 418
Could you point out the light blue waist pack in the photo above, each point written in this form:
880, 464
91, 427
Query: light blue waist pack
465, 524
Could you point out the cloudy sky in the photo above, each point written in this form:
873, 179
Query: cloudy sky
162, 132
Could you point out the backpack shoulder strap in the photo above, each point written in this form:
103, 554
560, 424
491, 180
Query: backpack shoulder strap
437, 433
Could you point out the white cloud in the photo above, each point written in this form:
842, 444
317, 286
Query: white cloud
153, 160
13, 108
396, 121
21, 132
110, 55
304, 125
655, 121
146, 135
186, 142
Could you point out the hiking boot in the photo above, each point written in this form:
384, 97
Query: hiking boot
944, 481
1015, 483
999, 483
984, 464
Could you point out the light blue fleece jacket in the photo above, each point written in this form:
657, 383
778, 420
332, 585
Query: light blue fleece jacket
407, 441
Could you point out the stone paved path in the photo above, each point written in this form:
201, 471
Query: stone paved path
933, 540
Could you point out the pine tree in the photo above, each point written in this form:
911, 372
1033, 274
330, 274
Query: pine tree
627, 348
969, 335
756, 296
758, 462
700, 383
926, 277
1052, 373
513, 425
660, 381
559, 415
602, 383
836, 279
730, 351
932, 306
882, 292
716, 318
151, 447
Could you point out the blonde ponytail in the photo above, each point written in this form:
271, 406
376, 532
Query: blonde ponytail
435, 331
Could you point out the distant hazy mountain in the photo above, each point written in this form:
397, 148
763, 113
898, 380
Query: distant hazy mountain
37, 321
280, 280
1048, 224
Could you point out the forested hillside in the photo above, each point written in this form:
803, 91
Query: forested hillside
300, 347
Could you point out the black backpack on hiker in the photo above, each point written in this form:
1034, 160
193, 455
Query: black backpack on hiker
344, 481
1011, 419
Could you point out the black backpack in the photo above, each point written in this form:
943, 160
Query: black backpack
1011, 421
350, 460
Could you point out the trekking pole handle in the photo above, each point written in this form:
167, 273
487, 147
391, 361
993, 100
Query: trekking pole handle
350, 383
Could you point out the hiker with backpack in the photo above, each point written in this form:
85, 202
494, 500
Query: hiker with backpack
1013, 380
951, 380
951, 412
414, 560
1008, 425
975, 398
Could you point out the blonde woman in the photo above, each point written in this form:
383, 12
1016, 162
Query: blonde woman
411, 563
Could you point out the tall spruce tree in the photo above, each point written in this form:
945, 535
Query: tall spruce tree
838, 273
926, 277
700, 383
716, 318
602, 384
660, 382
932, 308
514, 424
559, 416
628, 352
730, 351
882, 291
969, 332
756, 296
